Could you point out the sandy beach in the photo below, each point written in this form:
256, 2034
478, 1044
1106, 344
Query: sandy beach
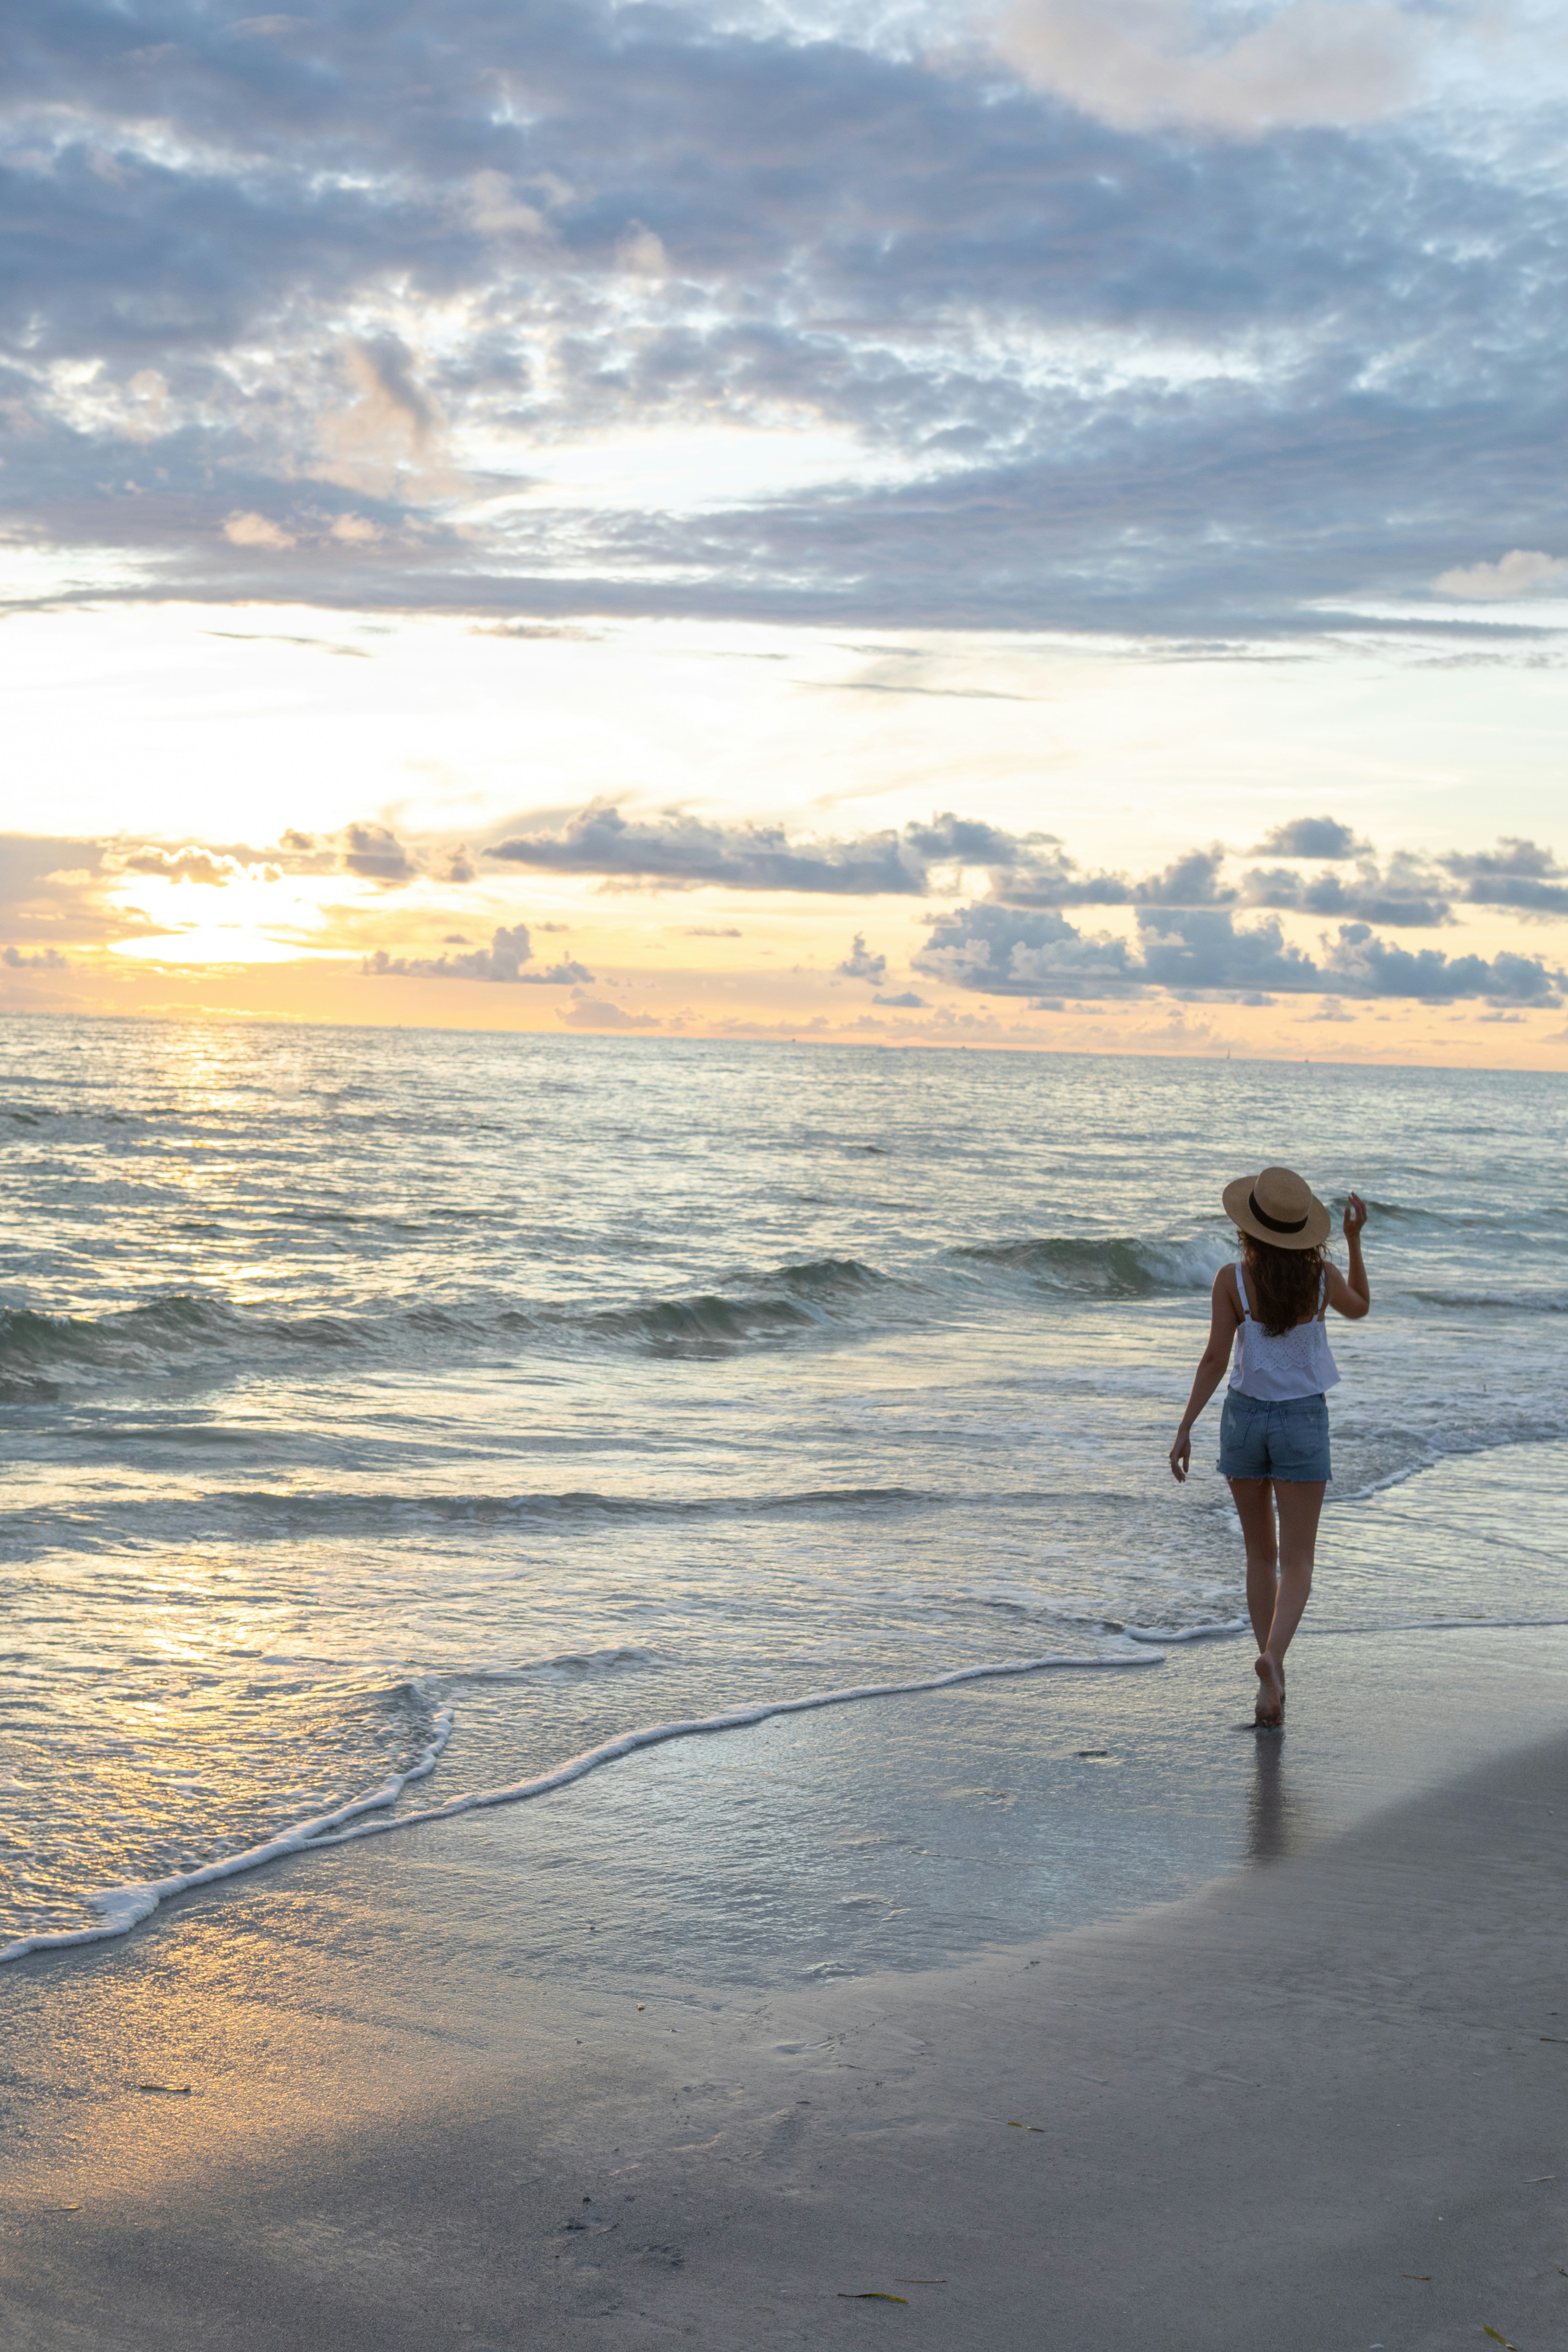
1318, 2099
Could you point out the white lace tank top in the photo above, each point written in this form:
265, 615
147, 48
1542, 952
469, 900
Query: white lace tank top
1274, 1367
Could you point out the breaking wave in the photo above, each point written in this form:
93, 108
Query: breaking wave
1117, 1268
823, 1296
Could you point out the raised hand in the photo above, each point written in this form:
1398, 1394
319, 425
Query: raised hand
1356, 1216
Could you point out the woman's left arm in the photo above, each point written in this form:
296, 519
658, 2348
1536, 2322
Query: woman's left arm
1350, 1294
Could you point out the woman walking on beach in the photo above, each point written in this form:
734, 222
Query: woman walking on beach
1269, 1307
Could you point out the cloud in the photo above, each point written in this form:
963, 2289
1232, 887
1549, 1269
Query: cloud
642, 253
45, 960
256, 531
859, 965
1310, 836
376, 856
50, 886
1013, 951
383, 365
1190, 881
1407, 893
530, 631
1034, 872
1523, 572
381, 444
1106, 374
1518, 872
495, 210
1169, 61
680, 851
1052, 878
1375, 967
1007, 952
950, 840
909, 1001
597, 1013
183, 865
1199, 948
502, 961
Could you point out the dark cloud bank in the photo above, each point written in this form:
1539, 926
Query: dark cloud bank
1157, 380
1207, 922
1015, 942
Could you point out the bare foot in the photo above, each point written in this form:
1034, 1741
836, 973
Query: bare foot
1271, 1696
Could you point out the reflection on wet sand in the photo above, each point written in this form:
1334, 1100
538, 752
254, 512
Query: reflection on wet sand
1278, 1821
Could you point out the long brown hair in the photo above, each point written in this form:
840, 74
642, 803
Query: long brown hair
1285, 1283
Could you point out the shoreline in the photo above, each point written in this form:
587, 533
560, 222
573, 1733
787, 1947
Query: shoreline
1124, 2132
1180, 1713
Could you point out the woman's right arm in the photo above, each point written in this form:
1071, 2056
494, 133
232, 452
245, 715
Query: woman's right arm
1350, 1294
1223, 1317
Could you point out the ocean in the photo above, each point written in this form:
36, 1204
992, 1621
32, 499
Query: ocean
397, 1415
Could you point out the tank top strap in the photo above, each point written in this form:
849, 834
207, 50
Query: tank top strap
1247, 1315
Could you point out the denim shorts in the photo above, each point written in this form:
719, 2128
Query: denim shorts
1287, 1440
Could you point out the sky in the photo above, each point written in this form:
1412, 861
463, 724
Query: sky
1033, 523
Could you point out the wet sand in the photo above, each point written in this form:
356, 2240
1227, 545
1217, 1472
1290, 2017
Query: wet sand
1323, 2101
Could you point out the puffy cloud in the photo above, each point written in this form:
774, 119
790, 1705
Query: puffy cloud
950, 840
1375, 967
376, 856
1518, 872
1406, 892
1052, 878
1007, 952
1310, 836
1190, 881
859, 965
45, 960
908, 1002
681, 851
1034, 872
1018, 951
1523, 572
183, 865
1202, 948
502, 961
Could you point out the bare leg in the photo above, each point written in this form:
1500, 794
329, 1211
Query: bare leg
1278, 1571
1254, 1500
1300, 1502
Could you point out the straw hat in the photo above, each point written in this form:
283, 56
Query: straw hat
1277, 1207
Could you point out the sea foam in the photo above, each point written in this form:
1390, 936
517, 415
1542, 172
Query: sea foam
124, 1908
